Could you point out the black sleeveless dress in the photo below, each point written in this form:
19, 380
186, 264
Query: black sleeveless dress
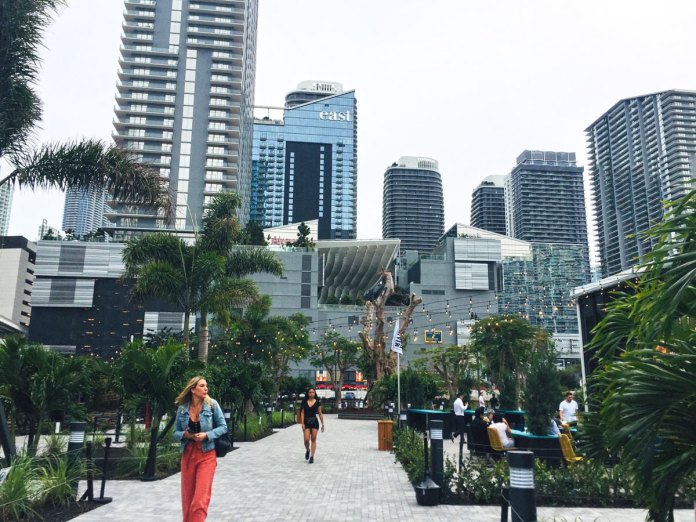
309, 414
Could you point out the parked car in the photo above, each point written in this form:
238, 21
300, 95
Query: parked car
349, 395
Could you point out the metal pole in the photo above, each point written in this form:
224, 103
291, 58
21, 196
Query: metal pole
522, 494
89, 492
6, 439
398, 384
102, 499
436, 451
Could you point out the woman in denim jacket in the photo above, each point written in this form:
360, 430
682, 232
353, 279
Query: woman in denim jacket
199, 421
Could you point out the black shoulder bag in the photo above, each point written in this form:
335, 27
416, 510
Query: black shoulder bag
223, 445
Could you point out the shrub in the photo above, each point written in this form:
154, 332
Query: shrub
542, 392
408, 451
57, 478
56, 444
16, 492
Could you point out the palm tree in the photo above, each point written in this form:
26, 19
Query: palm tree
154, 376
87, 164
37, 381
649, 391
206, 276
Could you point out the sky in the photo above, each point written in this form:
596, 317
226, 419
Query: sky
470, 84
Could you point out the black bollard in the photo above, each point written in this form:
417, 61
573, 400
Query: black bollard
436, 451
427, 492
76, 443
522, 494
282, 418
245, 427
504, 504
89, 493
102, 499
234, 427
461, 450
119, 422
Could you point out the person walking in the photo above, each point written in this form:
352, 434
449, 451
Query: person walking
481, 400
199, 421
459, 416
568, 410
310, 409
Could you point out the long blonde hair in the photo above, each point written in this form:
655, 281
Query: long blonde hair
186, 396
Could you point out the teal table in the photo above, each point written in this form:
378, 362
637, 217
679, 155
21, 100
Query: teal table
545, 447
417, 419
515, 418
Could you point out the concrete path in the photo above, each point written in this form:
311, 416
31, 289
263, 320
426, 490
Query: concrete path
269, 480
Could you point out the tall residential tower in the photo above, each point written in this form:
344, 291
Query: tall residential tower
642, 152
6, 191
185, 103
83, 211
488, 205
413, 208
305, 164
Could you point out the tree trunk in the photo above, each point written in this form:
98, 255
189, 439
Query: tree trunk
151, 464
187, 321
203, 338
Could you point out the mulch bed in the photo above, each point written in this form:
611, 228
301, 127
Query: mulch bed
62, 513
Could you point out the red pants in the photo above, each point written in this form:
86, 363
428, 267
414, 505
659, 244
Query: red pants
197, 470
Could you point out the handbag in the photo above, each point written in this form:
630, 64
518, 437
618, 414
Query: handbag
223, 445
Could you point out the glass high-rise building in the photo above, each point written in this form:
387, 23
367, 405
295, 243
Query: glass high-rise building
83, 211
305, 164
488, 205
413, 208
641, 152
185, 104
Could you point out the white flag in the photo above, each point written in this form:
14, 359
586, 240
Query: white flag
396, 340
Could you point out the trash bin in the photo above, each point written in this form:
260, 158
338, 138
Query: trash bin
384, 435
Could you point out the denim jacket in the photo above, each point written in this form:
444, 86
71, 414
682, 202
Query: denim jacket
212, 423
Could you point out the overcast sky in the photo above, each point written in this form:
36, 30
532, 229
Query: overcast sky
470, 84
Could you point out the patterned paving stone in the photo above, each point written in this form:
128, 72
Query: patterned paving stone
269, 480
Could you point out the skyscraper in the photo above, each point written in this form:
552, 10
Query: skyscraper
83, 211
640, 153
413, 208
305, 165
488, 205
5, 207
545, 198
185, 103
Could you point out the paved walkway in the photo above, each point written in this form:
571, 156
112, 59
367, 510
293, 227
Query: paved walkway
269, 480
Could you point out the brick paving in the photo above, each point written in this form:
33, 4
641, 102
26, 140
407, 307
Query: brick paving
269, 480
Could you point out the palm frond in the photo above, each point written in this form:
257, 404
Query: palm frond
159, 246
247, 261
22, 25
92, 164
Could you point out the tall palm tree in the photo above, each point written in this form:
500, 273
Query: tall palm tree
87, 164
649, 392
202, 277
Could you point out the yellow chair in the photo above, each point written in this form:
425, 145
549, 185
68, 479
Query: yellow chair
567, 449
494, 439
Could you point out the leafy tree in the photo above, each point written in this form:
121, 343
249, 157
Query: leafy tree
253, 234
156, 377
87, 164
505, 342
303, 239
644, 390
337, 355
37, 381
451, 363
542, 390
206, 276
273, 341
418, 388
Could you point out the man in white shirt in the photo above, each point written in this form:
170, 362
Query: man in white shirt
482, 401
459, 418
568, 409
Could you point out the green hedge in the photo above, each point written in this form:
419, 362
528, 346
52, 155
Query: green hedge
408, 450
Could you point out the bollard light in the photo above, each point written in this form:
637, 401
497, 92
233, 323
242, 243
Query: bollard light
227, 413
436, 451
76, 442
402, 420
522, 494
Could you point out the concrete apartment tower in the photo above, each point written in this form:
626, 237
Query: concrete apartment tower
413, 208
305, 164
488, 205
185, 104
641, 152
6, 191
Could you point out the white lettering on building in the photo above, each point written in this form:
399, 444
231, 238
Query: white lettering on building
335, 116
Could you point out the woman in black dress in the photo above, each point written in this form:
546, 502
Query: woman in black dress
310, 409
